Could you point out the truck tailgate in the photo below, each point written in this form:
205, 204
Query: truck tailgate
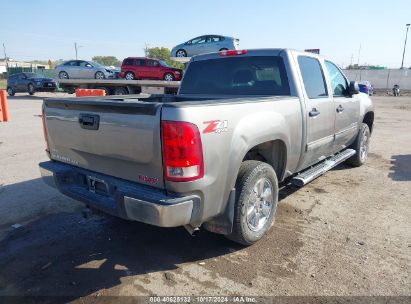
116, 137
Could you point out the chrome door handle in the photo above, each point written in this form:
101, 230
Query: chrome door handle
340, 109
314, 112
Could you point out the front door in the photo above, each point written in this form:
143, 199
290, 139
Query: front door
347, 107
319, 110
153, 69
198, 46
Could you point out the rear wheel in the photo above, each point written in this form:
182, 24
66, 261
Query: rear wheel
30, 89
63, 75
181, 53
168, 77
10, 91
130, 76
361, 146
120, 91
256, 202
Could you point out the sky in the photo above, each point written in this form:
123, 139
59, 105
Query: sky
349, 31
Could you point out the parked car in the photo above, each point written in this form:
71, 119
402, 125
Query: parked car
212, 156
366, 87
30, 83
83, 69
205, 44
148, 68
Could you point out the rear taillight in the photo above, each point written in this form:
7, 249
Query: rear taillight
233, 52
182, 151
43, 118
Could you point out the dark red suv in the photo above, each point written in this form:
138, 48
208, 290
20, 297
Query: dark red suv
148, 68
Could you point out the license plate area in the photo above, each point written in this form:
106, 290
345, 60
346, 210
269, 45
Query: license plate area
98, 186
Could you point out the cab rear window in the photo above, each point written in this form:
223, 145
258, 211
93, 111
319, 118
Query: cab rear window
250, 75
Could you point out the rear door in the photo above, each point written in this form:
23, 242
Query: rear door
73, 69
212, 44
140, 69
320, 111
346, 107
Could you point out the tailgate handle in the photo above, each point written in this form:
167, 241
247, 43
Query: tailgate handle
89, 121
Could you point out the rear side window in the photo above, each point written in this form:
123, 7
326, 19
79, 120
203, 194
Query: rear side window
214, 39
139, 62
249, 75
339, 84
128, 61
313, 77
152, 63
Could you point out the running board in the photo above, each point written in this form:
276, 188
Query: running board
319, 169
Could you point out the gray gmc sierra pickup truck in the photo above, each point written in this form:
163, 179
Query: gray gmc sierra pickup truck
214, 154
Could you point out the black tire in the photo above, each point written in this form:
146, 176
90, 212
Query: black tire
10, 91
30, 89
361, 147
120, 91
181, 53
250, 175
223, 49
129, 76
63, 75
168, 77
99, 75
70, 90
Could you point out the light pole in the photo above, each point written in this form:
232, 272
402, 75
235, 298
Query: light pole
76, 47
5, 56
405, 44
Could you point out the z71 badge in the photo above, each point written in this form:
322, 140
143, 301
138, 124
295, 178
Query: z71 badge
215, 126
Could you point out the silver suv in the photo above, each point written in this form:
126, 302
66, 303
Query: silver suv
205, 44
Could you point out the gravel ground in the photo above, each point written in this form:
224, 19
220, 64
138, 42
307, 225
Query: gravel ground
347, 233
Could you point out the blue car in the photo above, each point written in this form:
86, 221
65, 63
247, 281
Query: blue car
29, 82
366, 87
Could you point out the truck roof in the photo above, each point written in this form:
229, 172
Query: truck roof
259, 52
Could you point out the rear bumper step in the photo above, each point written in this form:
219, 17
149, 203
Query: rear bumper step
118, 197
319, 169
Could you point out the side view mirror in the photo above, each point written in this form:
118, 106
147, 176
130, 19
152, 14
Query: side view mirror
354, 88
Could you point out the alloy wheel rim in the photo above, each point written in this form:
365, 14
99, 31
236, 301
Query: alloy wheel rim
260, 205
63, 75
10, 91
181, 54
168, 77
99, 75
129, 76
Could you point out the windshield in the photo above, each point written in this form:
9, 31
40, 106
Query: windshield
163, 63
96, 65
250, 75
33, 75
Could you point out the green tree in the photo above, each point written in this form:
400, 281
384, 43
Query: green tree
107, 60
163, 53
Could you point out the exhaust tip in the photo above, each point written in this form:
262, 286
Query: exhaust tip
193, 231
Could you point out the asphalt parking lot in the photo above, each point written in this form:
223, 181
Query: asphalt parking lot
346, 233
